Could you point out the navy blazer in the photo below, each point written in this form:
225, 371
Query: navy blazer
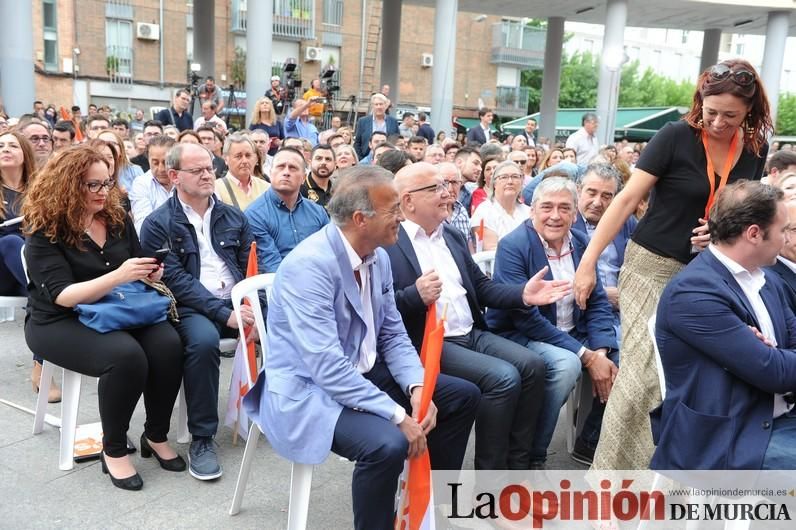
365, 130
481, 291
519, 256
621, 239
788, 278
476, 134
720, 378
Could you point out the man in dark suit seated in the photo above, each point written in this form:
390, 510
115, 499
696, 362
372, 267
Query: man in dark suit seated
729, 401
567, 338
341, 374
785, 267
432, 265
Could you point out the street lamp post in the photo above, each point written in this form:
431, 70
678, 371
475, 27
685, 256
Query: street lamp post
613, 60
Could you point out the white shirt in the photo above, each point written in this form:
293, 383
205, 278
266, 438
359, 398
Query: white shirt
751, 283
215, 120
585, 145
433, 253
213, 272
367, 351
562, 267
487, 132
146, 194
497, 219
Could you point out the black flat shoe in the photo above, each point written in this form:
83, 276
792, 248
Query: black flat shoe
174, 464
133, 483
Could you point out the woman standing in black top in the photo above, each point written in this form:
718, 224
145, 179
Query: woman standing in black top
722, 139
80, 245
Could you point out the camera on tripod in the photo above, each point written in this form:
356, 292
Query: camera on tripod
290, 83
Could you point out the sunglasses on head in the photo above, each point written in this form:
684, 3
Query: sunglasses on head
741, 76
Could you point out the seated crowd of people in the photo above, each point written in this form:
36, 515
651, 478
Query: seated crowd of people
366, 229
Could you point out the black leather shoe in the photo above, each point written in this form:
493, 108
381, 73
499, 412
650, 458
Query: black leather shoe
133, 483
174, 464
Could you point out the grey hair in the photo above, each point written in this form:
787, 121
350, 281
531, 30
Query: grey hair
555, 185
503, 165
174, 155
352, 192
604, 171
237, 138
350, 149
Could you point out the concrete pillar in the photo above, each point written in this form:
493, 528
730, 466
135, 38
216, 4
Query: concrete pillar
390, 47
610, 67
17, 87
773, 55
444, 65
711, 40
551, 77
204, 15
259, 34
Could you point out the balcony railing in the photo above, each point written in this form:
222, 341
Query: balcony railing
119, 64
516, 44
332, 23
293, 19
511, 101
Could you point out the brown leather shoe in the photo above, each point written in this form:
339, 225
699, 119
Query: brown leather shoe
54, 395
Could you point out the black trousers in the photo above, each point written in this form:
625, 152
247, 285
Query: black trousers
128, 363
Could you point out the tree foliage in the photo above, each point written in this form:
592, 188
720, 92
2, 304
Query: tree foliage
580, 76
786, 115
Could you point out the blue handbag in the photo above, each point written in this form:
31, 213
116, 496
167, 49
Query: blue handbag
127, 306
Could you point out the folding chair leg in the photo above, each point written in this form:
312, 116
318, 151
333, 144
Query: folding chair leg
183, 436
245, 468
300, 483
70, 402
41, 400
572, 415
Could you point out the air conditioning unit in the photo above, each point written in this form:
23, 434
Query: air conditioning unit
427, 60
146, 31
313, 54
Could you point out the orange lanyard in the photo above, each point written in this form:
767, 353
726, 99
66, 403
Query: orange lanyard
712, 171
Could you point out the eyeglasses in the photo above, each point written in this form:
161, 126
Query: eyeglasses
436, 188
453, 183
521, 161
94, 186
39, 139
198, 171
742, 77
513, 176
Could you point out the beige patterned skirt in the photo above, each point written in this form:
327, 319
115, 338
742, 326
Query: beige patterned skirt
625, 438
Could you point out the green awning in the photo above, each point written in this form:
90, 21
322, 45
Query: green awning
635, 124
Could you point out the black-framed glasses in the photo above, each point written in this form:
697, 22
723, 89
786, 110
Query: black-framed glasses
436, 188
40, 139
198, 171
742, 76
95, 186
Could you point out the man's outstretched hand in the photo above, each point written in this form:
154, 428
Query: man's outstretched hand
543, 292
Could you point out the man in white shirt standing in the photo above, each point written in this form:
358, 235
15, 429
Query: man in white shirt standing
482, 132
210, 243
154, 187
584, 141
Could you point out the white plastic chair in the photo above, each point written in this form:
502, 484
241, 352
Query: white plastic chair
301, 474
8, 304
578, 407
70, 401
485, 261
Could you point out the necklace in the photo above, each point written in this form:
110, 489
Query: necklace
87, 230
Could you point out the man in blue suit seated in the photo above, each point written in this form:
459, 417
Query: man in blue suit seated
432, 265
785, 267
281, 218
340, 371
596, 190
567, 338
729, 401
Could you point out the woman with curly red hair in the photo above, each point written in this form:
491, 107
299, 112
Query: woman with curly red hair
80, 245
722, 139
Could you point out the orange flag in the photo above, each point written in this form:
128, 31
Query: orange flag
251, 270
417, 507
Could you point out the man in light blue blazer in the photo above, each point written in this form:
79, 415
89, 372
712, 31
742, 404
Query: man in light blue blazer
340, 371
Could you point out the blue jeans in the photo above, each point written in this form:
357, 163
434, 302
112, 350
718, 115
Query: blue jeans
563, 368
781, 453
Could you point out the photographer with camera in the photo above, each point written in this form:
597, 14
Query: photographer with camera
318, 94
210, 92
276, 94
298, 125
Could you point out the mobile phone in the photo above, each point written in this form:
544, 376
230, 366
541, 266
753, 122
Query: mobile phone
160, 255
322, 101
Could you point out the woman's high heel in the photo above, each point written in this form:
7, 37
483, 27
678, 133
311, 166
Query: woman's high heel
133, 483
173, 464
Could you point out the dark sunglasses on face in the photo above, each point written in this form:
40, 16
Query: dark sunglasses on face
741, 76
